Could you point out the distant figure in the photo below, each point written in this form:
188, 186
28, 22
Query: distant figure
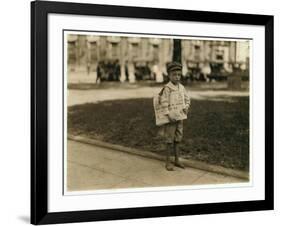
111, 75
117, 71
99, 73
126, 71
170, 112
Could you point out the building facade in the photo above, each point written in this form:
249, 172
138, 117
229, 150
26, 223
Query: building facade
136, 58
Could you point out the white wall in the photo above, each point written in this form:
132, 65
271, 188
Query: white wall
14, 117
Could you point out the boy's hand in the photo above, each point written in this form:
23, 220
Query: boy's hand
185, 111
172, 119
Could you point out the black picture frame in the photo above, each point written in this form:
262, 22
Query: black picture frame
39, 112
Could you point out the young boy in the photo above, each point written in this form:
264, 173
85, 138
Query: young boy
175, 102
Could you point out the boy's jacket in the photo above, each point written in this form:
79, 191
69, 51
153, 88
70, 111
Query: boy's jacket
171, 100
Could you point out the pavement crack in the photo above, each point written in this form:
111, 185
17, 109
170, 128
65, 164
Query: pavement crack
98, 169
198, 178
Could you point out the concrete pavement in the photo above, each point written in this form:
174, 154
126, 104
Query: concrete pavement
91, 167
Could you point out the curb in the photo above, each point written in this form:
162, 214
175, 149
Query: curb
187, 162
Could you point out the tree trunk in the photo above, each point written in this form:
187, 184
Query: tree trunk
177, 50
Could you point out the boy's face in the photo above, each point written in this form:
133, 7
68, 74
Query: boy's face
175, 76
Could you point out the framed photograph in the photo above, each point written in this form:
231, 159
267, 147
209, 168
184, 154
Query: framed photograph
145, 112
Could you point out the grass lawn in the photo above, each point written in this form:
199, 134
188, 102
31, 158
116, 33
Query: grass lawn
216, 132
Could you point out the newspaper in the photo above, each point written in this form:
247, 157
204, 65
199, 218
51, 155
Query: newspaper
176, 107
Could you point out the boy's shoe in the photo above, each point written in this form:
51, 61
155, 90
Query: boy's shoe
179, 164
169, 167
177, 159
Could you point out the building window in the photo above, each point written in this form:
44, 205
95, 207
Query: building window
219, 57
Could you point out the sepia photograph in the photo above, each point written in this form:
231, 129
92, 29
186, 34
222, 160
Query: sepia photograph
147, 110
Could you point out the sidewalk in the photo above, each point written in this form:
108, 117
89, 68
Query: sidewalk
91, 167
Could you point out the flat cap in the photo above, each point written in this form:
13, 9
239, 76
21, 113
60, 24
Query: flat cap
174, 66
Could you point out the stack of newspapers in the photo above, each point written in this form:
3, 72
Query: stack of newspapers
175, 109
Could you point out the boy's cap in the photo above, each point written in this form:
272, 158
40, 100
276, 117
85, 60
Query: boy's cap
174, 66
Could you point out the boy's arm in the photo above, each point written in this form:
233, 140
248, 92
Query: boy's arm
165, 101
186, 101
